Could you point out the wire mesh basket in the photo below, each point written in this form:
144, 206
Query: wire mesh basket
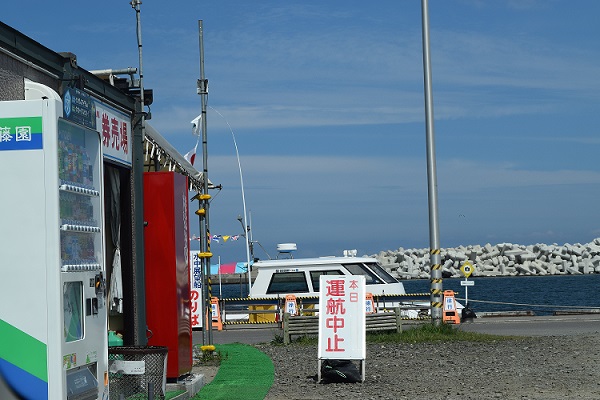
137, 372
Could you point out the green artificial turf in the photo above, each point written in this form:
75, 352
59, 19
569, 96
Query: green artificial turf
245, 373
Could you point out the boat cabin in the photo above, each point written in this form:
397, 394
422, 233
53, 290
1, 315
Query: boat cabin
276, 278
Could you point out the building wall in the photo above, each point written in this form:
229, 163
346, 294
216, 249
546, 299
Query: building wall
12, 73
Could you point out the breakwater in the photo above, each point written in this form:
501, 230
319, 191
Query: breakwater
504, 259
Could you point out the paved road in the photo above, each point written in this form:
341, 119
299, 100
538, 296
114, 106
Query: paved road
560, 325
249, 334
518, 326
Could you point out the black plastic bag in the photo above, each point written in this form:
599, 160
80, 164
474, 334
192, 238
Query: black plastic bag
339, 371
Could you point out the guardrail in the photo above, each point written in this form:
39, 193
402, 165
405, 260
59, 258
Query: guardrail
309, 325
270, 310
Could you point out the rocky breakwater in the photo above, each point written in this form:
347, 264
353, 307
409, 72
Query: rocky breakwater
504, 259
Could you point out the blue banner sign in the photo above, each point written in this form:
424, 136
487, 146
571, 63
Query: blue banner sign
79, 107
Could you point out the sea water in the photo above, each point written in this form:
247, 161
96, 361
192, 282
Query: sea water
540, 294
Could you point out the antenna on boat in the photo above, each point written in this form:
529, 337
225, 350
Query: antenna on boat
350, 253
286, 248
250, 241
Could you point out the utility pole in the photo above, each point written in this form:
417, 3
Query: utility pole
434, 237
140, 337
203, 198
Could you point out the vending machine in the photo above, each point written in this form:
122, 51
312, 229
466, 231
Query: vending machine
53, 320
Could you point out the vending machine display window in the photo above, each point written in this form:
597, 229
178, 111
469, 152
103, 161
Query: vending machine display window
73, 311
79, 198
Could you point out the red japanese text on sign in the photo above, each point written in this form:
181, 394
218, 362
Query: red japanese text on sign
342, 320
114, 127
196, 289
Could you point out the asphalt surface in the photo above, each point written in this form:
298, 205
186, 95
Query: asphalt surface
249, 334
561, 325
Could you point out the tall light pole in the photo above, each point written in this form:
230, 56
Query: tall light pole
434, 239
245, 225
139, 132
246, 234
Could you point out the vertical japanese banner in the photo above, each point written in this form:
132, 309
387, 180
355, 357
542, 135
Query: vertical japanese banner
342, 317
196, 290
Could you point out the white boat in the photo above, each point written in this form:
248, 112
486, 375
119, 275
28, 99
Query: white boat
300, 277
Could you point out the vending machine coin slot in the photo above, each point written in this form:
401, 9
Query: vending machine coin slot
88, 307
95, 306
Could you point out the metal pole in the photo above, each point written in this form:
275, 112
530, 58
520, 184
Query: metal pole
434, 240
140, 337
205, 197
245, 225
220, 283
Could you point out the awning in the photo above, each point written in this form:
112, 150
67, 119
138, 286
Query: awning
160, 155
232, 268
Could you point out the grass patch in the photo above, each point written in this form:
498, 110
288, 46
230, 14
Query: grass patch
428, 333
208, 356
277, 339
424, 333
302, 340
246, 374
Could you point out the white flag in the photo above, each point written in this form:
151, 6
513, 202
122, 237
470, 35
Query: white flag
196, 125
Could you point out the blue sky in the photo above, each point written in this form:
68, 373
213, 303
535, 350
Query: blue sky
325, 99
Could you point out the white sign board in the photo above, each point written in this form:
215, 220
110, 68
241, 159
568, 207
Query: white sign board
196, 289
114, 127
342, 317
449, 304
127, 367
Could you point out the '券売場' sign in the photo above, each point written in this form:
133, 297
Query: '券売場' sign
342, 317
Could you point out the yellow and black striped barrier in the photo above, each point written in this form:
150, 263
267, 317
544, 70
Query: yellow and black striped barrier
248, 322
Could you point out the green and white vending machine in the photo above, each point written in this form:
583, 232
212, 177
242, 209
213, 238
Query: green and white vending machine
53, 319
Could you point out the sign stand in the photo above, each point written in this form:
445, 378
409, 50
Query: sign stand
216, 314
450, 314
362, 370
342, 320
467, 269
291, 307
370, 304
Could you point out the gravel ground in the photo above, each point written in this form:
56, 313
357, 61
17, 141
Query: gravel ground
554, 367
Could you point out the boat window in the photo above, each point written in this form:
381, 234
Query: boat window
288, 282
314, 277
360, 269
382, 273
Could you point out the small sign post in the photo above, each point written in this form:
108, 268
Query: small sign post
467, 269
342, 319
290, 305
